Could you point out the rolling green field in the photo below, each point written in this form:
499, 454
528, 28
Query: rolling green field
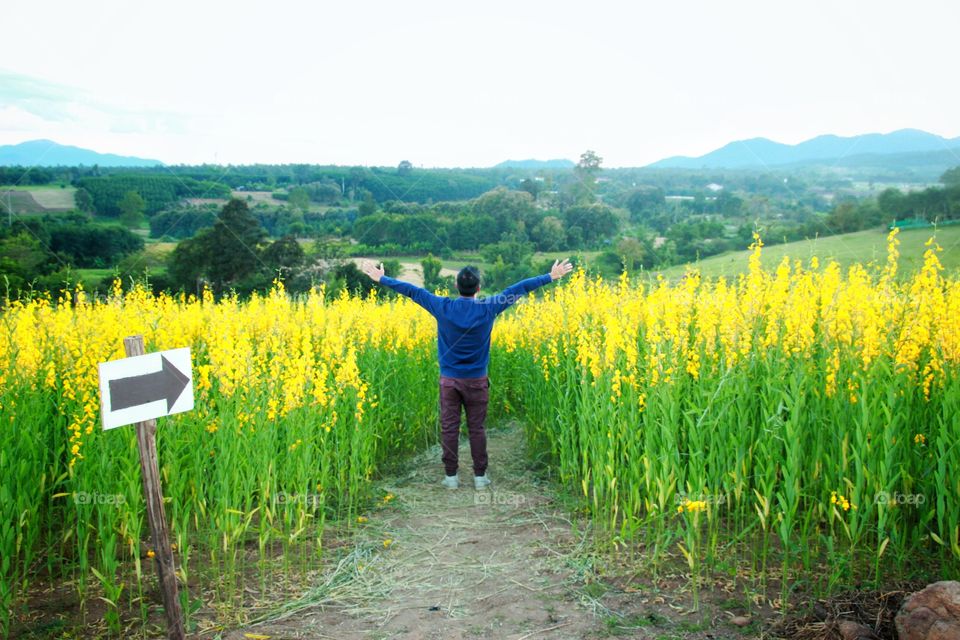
861, 246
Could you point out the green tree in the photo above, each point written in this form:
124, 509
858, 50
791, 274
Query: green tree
392, 268
632, 253
893, 203
22, 259
299, 198
368, 207
283, 257
83, 200
586, 172
595, 221
187, 264
347, 276
951, 177
132, 207
531, 186
511, 262
431, 272
512, 211
645, 200
230, 254
358, 176
849, 216
91, 245
729, 205
233, 245
324, 192
549, 234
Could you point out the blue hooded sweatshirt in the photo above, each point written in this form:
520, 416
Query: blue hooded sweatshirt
464, 324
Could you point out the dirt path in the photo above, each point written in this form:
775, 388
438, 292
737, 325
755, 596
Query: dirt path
460, 564
500, 563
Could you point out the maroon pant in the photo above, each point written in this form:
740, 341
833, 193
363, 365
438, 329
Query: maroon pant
472, 394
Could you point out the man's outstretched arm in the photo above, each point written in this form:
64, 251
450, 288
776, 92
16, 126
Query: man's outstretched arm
514, 292
419, 295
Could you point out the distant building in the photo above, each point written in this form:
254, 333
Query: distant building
713, 186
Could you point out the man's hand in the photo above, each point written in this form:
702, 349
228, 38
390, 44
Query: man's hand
372, 270
560, 269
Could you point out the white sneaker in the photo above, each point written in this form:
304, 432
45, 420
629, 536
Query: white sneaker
479, 482
451, 482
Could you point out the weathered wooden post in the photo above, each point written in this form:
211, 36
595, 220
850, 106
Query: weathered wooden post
153, 495
128, 394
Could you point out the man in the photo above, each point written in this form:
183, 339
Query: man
463, 346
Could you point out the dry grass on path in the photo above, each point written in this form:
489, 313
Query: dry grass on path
460, 563
499, 563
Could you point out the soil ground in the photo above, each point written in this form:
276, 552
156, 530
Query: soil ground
504, 562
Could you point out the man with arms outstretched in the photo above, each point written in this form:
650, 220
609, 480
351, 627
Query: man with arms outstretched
463, 346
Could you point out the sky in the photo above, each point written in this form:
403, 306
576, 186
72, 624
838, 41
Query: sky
457, 84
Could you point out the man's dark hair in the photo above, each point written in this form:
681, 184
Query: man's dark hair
468, 281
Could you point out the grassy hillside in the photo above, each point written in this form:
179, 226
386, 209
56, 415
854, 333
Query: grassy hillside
861, 246
38, 200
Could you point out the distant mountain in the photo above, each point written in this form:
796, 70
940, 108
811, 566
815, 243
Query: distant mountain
47, 153
535, 164
826, 149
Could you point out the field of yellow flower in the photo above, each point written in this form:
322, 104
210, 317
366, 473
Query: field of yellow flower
799, 415
799, 422
297, 403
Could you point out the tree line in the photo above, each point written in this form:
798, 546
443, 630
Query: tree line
42, 253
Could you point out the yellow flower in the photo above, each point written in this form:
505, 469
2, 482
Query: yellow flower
361, 519
387, 543
150, 553
692, 506
842, 502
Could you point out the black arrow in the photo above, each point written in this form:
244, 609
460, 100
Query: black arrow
166, 384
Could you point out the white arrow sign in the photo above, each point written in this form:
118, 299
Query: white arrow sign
144, 387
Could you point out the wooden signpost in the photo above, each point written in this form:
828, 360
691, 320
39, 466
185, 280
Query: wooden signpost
139, 389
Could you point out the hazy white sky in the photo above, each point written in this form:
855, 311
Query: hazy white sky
443, 83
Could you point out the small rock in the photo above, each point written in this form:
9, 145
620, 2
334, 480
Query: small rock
741, 621
850, 630
820, 611
933, 613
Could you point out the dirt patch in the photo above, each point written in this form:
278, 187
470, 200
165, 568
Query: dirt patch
411, 272
21, 202
453, 563
55, 198
43, 200
258, 197
199, 202
873, 610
